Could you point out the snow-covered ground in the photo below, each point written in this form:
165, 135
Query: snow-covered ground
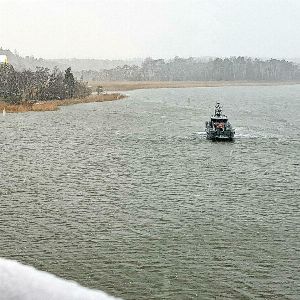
20, 282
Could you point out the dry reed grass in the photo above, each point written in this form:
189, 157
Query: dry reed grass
133, 85
54, 104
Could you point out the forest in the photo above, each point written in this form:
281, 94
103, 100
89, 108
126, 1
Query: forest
39, 85
196, 69
43, 84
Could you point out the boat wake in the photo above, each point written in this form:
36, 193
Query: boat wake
246, 133
241, 133
199, 135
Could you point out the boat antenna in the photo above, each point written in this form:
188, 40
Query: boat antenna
218, 109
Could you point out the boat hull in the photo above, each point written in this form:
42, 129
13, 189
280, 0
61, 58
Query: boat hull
216, 135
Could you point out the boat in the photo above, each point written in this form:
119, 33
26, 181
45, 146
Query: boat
219, 128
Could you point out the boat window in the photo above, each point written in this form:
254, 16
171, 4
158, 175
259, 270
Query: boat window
219, 120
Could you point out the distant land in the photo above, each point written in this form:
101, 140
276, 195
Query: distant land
200, 69
31, 84
81, 64
295, 60
77, 65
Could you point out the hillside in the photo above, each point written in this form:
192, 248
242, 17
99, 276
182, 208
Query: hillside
77, 65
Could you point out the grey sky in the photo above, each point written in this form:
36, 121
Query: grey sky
156, 28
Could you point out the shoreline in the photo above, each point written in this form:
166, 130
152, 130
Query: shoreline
53, 105
115, 86
135, 85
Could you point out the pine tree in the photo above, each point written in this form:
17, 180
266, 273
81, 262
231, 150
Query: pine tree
69, 82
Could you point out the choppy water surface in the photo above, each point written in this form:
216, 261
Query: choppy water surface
129, 196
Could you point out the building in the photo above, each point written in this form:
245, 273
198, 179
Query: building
3, 59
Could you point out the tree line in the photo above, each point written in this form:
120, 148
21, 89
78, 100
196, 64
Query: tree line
195, 69
31, 62
39, 85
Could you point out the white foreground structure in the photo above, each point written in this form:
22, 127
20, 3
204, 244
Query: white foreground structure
20, 282
3, 59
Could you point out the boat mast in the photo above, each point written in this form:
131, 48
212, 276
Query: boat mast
218, 109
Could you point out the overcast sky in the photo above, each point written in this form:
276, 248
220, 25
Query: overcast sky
157, 28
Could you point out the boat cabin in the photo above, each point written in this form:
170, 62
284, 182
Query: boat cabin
218, 122
222, 119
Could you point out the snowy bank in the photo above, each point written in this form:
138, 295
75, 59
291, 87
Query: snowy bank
20, 282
